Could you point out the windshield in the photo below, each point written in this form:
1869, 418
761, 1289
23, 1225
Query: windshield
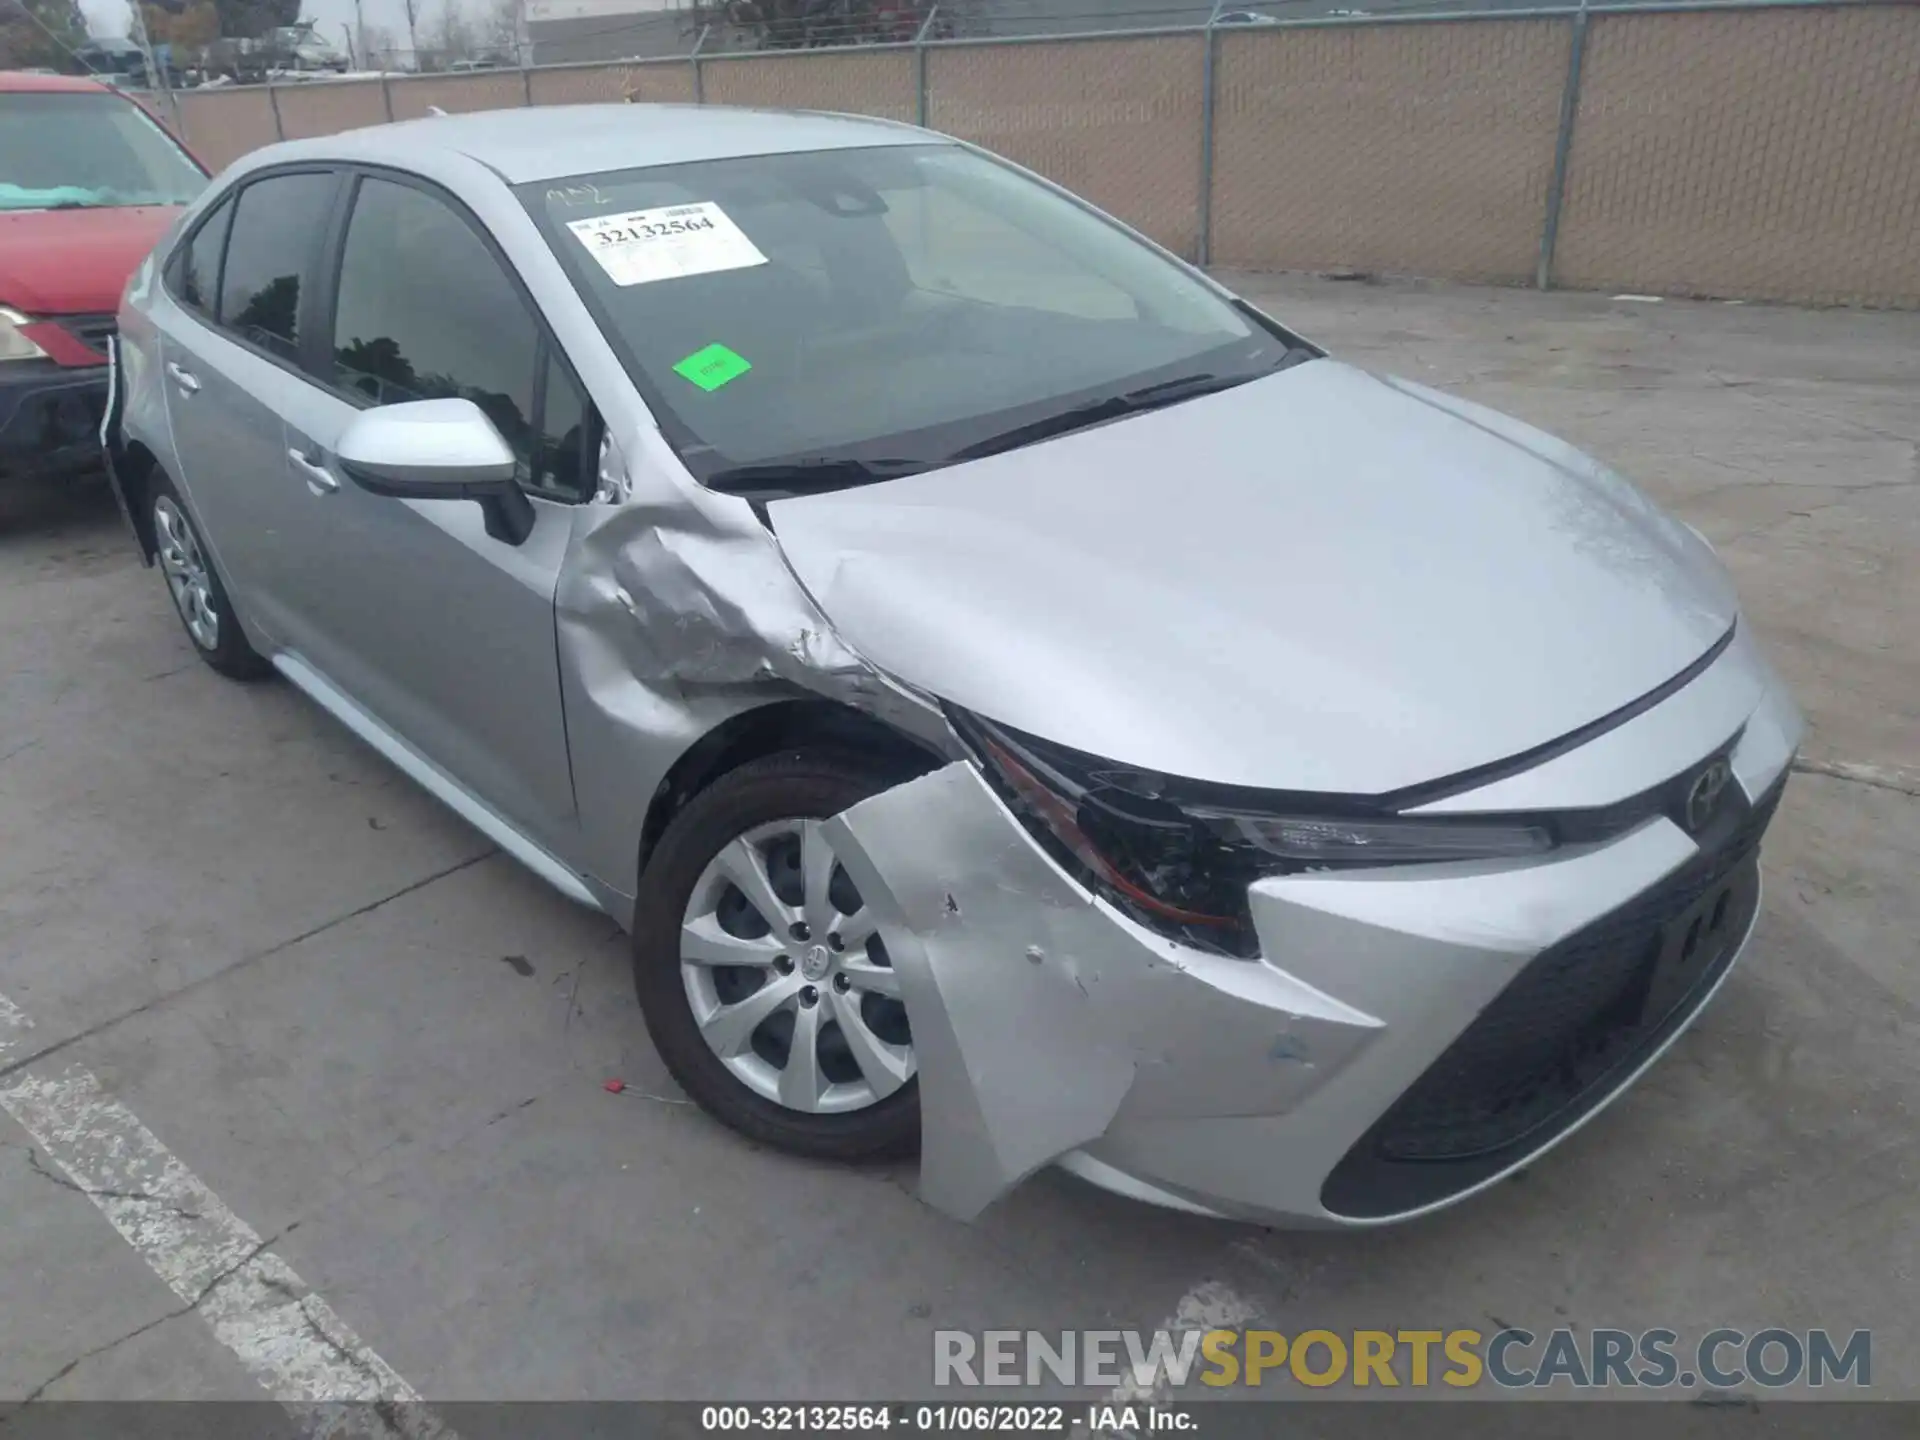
75, 150
866, 313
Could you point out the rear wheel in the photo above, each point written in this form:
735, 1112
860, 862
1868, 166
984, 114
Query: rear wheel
198, 596
766, 983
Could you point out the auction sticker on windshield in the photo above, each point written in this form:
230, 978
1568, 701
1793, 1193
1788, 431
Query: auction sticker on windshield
642, 246
712, 366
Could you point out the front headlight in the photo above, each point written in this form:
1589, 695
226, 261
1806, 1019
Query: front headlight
1178, 858
1308, 843
14, 345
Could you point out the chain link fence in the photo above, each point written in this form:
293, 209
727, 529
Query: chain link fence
1756, 148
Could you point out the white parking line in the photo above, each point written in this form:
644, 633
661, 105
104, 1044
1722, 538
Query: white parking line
289, 1338
1210, 1305
1883, 777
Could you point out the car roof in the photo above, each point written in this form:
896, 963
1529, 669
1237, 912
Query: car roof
17, 81
550, 142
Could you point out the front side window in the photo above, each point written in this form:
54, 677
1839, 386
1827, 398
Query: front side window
562, 459
80, 150
906, 306
276, 224
425, 312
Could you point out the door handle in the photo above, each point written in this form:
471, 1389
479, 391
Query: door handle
183, 377
320, 480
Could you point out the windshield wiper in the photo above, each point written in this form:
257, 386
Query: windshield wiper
820, 474
1108, 407
814, 475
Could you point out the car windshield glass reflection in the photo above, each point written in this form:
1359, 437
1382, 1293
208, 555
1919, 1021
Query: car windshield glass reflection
900, 306
88, 151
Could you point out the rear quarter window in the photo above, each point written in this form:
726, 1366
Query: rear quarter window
277, 226
196, 274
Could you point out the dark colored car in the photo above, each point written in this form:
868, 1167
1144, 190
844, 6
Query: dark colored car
88, 182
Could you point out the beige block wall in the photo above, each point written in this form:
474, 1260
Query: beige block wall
1425, 149
326, 109
222, 125
661, 82
877, 84
1117, 121
1768, 154
1765, 153
482, 90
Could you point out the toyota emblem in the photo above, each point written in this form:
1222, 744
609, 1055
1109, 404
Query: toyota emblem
1703, 796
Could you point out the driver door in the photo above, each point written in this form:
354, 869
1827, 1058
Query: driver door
439, 630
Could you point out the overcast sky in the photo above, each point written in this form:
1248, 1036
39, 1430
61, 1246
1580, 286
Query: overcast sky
112, 17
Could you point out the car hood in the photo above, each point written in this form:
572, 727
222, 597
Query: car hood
1322, 580
75, 262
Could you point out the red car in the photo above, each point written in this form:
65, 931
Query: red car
88, 182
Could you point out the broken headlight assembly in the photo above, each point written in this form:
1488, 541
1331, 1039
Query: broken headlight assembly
13, 344
1179, 855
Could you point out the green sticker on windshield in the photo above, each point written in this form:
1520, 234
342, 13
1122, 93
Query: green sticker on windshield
712, 367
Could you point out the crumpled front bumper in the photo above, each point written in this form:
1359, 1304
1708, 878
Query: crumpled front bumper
1050, 1028
50, 418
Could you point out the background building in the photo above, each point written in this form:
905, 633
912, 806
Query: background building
560, 31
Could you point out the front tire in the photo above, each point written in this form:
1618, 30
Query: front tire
199, 597
766, 985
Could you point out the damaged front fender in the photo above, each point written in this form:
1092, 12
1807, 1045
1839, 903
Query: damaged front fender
1040, 1015
707, 605
674, 611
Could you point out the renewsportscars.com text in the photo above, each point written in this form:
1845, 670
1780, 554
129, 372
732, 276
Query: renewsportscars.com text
1511, 1358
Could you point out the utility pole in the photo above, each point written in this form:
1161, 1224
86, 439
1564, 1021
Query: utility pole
156, 77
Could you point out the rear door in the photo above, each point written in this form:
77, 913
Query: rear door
241, 289
441, 631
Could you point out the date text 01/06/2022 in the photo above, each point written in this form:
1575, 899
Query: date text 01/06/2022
964, 1419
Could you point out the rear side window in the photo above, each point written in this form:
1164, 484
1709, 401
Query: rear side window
198, 277
276, 228
425, 312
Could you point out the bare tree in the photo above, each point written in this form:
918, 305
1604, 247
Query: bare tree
453, 35
247, 18
42, 33
378, 47
191, 27
803, 24
503, 28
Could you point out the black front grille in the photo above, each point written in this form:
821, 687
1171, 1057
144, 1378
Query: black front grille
93, 331
1553, 1044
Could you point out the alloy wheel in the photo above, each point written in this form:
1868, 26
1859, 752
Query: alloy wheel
788, 977
188, 577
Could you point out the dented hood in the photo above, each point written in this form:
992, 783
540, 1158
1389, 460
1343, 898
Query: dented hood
1322, 580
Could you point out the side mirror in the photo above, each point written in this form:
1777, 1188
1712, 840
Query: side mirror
437, 450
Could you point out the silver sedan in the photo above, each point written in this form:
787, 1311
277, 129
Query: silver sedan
1025, 702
